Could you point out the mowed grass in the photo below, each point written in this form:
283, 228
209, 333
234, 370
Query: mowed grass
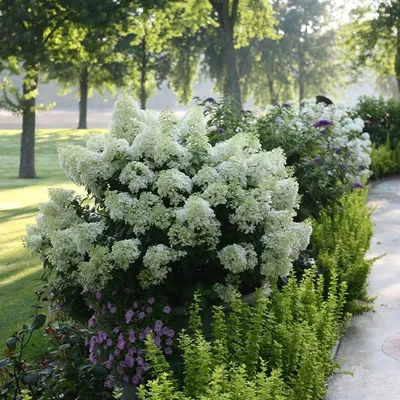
19, 202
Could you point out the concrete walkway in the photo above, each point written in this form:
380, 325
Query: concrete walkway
376, 374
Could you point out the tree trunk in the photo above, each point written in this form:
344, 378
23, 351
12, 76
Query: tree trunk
27, 153
397, 64
227, 24
272, 96
143, 76
83, 98
301, 62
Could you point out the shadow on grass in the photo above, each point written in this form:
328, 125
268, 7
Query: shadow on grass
18, 213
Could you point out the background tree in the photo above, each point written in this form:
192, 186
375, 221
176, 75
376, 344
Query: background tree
218, 30
372, 39
147, 44
29, 30
91, 62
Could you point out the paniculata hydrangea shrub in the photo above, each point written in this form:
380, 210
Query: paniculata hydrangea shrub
328, 150
167, 210
120, 327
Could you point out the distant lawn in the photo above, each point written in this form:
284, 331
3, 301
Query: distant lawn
19, 201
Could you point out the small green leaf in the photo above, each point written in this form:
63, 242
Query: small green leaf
38, 322
12, 343
99, 371
4, 363
31, 378
65, 346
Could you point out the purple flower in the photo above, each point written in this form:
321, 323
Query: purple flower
165, 330
135, 304
98, 295
149, 310
92, 358
147, 331
167, 310
151, 300
113, 310
116, 352
111, 357
125, 378
120, 370
168, 351
129, 360
116, 330
109, 305
139, 361
145, 366
92, 320
132, 338
142, 315
171, 333
109, 342
322, 122
158, 324
110, 382
141, 336
101, 337
121, 342
135, 380
108, 364
317, 160
128, 316
169, 342
157, 341
357, 185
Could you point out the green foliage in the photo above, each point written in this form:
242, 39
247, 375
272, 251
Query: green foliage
295, 331
382, 118
385, 161
303, 60
372, 37
340, 239
224, 118
63, 372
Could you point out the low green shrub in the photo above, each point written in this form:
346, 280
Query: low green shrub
340, 239
276, 348
385, 160
382, 118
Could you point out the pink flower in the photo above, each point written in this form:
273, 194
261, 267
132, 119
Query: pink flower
169, 342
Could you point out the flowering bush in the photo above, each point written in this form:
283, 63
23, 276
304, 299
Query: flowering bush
165, 208
121, 327
328, 150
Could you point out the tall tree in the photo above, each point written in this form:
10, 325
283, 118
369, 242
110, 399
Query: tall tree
147, 44
303, 60
219, 29
372, 38
28, 30
90, 61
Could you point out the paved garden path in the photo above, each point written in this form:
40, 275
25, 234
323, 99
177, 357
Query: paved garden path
371, 347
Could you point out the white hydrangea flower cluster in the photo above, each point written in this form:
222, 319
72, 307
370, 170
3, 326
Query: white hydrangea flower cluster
162, 195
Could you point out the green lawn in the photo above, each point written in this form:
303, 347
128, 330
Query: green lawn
19, 201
